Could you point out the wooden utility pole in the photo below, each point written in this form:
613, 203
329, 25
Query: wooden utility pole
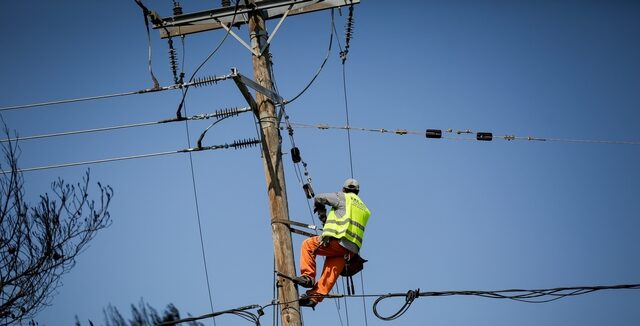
274, 172
253, 13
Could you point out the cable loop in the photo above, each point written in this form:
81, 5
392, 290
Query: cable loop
409, 297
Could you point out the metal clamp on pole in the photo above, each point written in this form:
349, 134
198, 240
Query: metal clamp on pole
290, 223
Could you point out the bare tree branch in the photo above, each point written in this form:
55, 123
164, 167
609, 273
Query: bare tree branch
39, 243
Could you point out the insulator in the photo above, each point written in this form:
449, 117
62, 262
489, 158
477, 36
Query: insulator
484, 136
177, 9
245, 143
226, 113
295, 155
173, 61
308, 190
349, 27
434, 133
203, 81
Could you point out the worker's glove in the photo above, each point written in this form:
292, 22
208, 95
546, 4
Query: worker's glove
323, 218
321, 211
317, 207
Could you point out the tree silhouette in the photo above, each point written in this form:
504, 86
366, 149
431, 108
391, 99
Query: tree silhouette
39, 243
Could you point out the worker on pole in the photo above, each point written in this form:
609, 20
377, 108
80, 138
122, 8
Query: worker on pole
340, 240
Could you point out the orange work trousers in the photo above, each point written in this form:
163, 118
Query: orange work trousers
333, 265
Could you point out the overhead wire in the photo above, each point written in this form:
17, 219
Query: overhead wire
214, 51
146, 13
520, 295
216, 114
188, 136
321, 65
236, 144
194, 82
242, 312
527, 296
343, 56
460, 134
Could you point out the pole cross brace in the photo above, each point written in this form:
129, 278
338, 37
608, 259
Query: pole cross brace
243, 82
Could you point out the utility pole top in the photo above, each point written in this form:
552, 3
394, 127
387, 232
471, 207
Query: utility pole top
215, 18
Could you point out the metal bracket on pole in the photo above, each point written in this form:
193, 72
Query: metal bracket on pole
243, 82
275, 30
196, 22
239, 39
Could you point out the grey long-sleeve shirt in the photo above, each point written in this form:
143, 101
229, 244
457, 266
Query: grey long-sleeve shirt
338, 202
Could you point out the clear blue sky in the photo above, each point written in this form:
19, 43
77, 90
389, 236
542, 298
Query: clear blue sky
447, 214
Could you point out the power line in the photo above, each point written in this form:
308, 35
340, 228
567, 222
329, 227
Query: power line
217, 114
236, 144
179, 116
463, 134
321, 65
196, 83
527, 296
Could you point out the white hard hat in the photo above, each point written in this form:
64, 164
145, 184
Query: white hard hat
351, 184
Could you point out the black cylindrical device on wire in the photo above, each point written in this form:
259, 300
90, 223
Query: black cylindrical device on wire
295, 155
484, 136
308, 190
434, 133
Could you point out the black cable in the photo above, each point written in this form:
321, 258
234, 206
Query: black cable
527, 296
195, 195
409, 297
346, 305
364, 304
321, 65
146, 12
214, 51
346, 109
240, 312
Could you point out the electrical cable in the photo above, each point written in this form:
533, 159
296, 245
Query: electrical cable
346, 305
195, 195
197, 82
520, 295
460, 135
235, 144
527, 296
81, 99
346, 109
240, 312
321, 65
364, 303
217, 114
214, 51
178, 116
146, 12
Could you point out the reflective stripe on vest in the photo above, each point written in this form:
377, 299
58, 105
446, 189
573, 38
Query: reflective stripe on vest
352, 225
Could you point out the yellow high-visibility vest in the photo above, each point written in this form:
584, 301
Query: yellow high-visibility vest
351, 226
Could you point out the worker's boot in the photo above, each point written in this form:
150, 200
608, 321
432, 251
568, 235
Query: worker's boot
306, 301
303, 280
